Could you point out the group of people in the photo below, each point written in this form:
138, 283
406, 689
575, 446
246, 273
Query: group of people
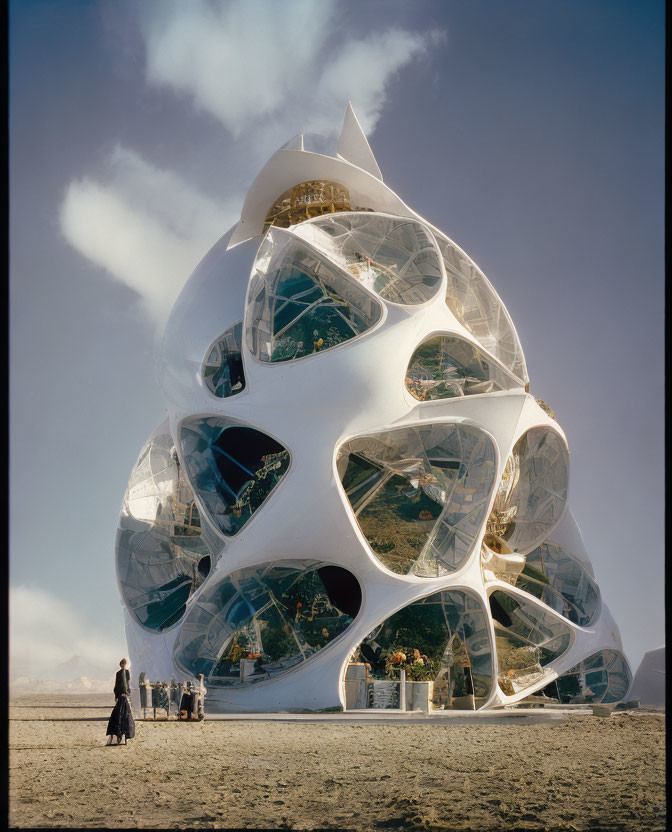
121, 724
192, 704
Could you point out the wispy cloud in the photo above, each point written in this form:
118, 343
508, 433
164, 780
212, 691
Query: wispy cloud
46, 631
146, 227
240, 61
361, 71
251, 62
264, 71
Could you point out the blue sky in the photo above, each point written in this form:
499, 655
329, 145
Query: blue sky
531, 133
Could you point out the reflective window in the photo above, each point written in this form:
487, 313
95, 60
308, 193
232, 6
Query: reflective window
420, 494
443, 639
445, 366
263, 620
602, 677
556, 578
526, 639
533, 490
223, 368
392, 256
161, 556
300, 303
307, 199
475, 304
232, 467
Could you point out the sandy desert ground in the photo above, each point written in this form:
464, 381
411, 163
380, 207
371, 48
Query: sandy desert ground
582, 773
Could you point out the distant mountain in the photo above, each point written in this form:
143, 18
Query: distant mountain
82, 684
77, 667
76, 675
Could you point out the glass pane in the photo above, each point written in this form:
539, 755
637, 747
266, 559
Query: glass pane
559, 580
533, 490
307, 199
300, 303
476, 305
394, 257
602, 677
442, 639
261, 621
232, 467
445, 366
223, 369
160, 553
526, 640
420, 494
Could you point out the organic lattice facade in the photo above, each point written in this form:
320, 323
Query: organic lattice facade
353, 479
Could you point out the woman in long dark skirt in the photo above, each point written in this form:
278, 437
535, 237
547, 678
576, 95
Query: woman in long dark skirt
121, 722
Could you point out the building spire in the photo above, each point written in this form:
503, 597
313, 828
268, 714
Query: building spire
354, 147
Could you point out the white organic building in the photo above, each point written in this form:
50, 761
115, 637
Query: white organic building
353, 479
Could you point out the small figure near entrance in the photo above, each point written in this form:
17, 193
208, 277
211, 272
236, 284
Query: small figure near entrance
192, 706
121, 723
202, 690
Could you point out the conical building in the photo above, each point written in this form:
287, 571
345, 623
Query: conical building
354, 485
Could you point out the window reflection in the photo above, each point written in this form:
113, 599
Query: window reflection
392, 256
526, 640
442, 639
233, 468
300, 303
476, 305
445, 366
262, 621
556, 578
602, 677
223, 368
532, 493
307, 199
161, 556
420, 494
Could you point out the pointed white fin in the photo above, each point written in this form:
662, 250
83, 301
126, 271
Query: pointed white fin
354, 147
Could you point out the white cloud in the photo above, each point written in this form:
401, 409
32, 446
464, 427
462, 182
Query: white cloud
265, 70
275, 64
364, 68
45, 632
146, 227
239, 60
